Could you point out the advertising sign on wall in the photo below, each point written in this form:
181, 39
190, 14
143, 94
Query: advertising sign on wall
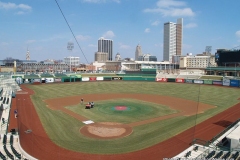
116, 78
57, 80
234, 83
49, 80
161, 79
99, 78
43, 80
207, 81
217, 82
226, 82
85, 78
180, 80
188, 81
197, 81
92, 78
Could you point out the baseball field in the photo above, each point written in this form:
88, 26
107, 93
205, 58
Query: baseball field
127, 116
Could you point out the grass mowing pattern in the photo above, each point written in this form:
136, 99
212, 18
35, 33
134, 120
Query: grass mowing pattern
64, 130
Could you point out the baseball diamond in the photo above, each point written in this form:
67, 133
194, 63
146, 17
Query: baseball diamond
144, 120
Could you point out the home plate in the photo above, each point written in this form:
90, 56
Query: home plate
88, 122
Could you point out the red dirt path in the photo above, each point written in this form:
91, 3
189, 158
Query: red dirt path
40, 146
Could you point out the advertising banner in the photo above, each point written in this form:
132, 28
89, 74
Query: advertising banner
180, 80
117, 78
207, 81
226, 82
188, 80
171, 80
234, 83
43, 80
161, 79
197, 81
49, 80
215, 82
99, 78
57, 80
36, 81
85, 78
92, 78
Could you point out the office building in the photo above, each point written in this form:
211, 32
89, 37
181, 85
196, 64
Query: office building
106, 45
138, 52
72, 61
101, 56
172, 39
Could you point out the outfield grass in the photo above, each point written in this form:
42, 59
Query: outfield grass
64, 129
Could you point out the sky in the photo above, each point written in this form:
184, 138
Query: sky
45, 27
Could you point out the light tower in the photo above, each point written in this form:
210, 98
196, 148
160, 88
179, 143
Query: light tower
70, 47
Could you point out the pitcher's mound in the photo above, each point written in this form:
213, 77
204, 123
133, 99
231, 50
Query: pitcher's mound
106, 130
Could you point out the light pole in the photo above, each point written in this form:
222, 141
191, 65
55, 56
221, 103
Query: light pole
70, 46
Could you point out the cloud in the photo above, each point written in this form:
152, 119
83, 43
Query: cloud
238, 34
156, 23
14, 6
22, 8
170, 3
92, 45
191, 25
171, 8
123, 46
83, 38
30, 41
108, 34
147, 30
101, 1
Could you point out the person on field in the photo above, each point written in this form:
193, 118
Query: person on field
92, 104
81, 101
15, 113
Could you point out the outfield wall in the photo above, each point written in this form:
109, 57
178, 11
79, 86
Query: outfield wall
224, 82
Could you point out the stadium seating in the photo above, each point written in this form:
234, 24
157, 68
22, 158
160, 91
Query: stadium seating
211, 154
2, 156
8, 153
11, 139
218, 155
235, 155
18, 155
5, 139
227, 155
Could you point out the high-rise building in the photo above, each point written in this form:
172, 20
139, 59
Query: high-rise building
106, 45
138, 52
172, 39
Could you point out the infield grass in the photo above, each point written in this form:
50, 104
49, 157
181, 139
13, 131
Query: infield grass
64, 129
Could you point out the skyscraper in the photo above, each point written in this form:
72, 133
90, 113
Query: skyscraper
138, 52
172, 39
106, 45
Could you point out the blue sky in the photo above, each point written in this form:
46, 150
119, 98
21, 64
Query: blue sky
39, 26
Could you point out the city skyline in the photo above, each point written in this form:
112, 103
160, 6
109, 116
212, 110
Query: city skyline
39, 27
